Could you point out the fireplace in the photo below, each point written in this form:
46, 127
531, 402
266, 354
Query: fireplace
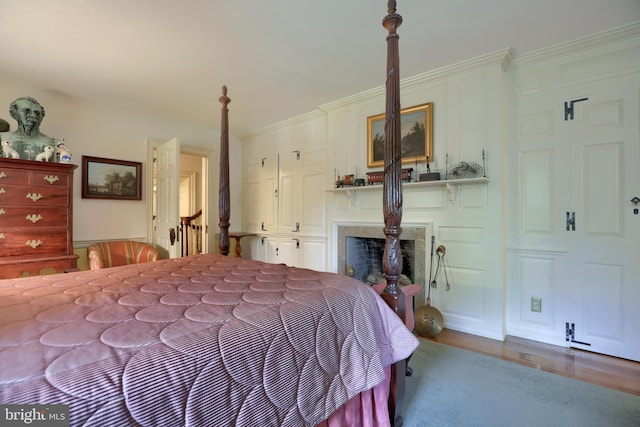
364, 256
362, 246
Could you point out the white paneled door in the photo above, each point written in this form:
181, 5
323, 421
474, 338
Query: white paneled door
168, 211
601, 222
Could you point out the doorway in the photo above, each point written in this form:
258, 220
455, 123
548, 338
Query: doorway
192, 227
192, 197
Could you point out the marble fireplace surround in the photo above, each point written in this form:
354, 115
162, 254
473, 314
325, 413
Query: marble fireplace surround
420, 234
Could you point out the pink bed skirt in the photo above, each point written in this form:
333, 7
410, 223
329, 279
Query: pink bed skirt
367, 409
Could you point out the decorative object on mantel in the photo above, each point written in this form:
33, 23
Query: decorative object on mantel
429, 320
378, 177
349, 181
27, 142
4, 125
429, 176
465, 170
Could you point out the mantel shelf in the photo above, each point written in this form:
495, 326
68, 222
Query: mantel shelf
408, 185
450, 185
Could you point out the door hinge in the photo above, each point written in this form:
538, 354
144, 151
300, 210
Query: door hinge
568, 108
571, 221
570, 334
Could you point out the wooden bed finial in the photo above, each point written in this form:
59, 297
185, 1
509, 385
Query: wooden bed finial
391, 6
224, 209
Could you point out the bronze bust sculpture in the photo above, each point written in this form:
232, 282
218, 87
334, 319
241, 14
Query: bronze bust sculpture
27, 142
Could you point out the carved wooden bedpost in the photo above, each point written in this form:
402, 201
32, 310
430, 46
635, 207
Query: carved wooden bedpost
223, 190
392, 201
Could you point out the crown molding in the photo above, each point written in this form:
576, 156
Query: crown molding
602, 38
502, 57
273, 127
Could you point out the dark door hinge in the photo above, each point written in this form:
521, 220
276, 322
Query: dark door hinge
568, 108
570, 334
571, 221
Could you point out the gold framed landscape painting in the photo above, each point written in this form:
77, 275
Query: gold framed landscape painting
416, 128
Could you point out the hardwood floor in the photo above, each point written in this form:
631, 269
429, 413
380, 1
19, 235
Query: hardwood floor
618, 374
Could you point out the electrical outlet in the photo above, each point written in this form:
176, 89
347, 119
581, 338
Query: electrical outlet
536, 305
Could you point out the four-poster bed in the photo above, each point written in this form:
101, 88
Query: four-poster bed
216, 340
392, 196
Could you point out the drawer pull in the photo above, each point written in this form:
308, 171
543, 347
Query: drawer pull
3, 175
34, 243
2, 236
2, 190
34, 218
2, 211
51, 178
35, 196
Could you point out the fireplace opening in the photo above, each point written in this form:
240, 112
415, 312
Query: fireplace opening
362, 246
364, 255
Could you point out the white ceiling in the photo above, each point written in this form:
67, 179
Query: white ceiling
279, 58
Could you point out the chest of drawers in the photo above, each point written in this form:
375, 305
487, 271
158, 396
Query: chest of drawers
36, 218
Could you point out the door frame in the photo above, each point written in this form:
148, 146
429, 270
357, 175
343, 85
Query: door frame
209, 203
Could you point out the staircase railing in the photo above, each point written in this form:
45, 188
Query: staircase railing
191, 233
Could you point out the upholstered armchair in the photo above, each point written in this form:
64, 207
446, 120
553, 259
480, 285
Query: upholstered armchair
122, 252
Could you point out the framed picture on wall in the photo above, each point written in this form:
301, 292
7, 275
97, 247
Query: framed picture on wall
416, 128
111, 179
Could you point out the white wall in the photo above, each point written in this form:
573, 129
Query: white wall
468, 100
103, 131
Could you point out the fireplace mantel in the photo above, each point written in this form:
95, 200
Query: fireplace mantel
450, 185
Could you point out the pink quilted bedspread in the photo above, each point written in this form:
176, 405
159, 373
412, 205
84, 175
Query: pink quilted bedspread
205, 340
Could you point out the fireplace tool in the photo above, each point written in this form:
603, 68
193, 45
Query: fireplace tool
429, 320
